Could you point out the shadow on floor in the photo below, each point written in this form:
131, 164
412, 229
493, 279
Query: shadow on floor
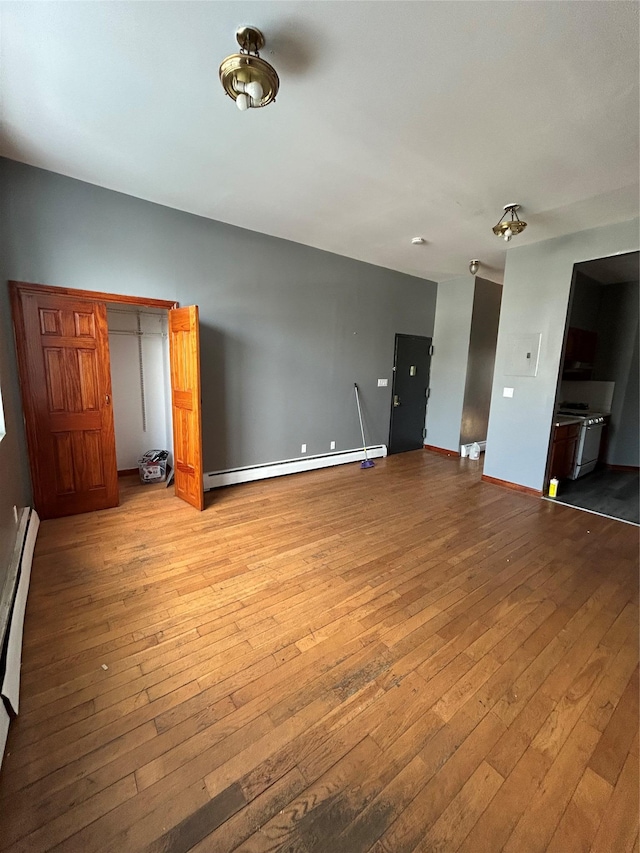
612, 493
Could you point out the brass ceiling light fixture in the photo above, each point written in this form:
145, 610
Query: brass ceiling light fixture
506, 228
473, 266
246, 78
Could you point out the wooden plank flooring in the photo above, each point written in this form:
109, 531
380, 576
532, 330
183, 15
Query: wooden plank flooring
397, 660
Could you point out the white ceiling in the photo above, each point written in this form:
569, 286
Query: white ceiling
394, 119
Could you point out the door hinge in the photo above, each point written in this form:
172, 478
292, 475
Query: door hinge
428, 393
424, 433
431, 350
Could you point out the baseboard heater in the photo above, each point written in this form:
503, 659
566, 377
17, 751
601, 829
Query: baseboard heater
12, 608
465, 449
232, 476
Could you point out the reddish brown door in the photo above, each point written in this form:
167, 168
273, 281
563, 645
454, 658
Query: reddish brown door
63, 359
184, 357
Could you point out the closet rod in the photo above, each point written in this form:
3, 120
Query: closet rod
138, 334
111, 310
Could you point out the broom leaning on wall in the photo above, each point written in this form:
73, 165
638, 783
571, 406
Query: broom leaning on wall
366, 463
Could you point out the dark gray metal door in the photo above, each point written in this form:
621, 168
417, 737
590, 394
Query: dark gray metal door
409, 393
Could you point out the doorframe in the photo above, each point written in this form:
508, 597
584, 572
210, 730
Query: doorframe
16, 287
94, 295
393, 384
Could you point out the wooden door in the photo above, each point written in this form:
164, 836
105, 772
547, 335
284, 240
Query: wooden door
184, 357
412, 364
63, 359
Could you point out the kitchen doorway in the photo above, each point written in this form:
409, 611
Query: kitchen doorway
594, 451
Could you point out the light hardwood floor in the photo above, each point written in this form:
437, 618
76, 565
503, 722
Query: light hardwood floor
390, 660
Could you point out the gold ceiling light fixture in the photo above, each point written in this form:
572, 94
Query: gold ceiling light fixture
247, 78
506, 227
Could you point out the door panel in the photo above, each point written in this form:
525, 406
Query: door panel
591, 445
63, 358
184, 356
409, 394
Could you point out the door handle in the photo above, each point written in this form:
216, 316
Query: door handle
396, 400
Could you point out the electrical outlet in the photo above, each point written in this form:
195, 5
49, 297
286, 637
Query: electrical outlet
332, 446
303, 449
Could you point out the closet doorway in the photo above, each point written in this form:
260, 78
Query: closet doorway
140, 382
62, 343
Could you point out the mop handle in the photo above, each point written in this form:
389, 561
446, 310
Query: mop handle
364, 444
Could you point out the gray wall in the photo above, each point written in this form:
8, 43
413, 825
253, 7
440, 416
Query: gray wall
617, 337
481, 359
286, 329
535, 299
626, 449
585, 303
451, 335
15, 489
616, 324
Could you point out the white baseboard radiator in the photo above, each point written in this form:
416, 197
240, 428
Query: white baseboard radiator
232, 476
465, 449
13, 602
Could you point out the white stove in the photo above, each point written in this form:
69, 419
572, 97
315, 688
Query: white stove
588, 450
589, 418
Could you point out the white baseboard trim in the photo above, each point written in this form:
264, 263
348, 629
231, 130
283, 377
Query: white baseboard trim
12, 608
233, 476
8, 591
10, 688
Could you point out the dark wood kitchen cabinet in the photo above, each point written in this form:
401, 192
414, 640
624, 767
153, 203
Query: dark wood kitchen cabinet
579, 353
563, 450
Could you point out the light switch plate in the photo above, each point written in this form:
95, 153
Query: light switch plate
507, 392
382, 383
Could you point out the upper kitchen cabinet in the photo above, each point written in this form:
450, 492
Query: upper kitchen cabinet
579, 354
